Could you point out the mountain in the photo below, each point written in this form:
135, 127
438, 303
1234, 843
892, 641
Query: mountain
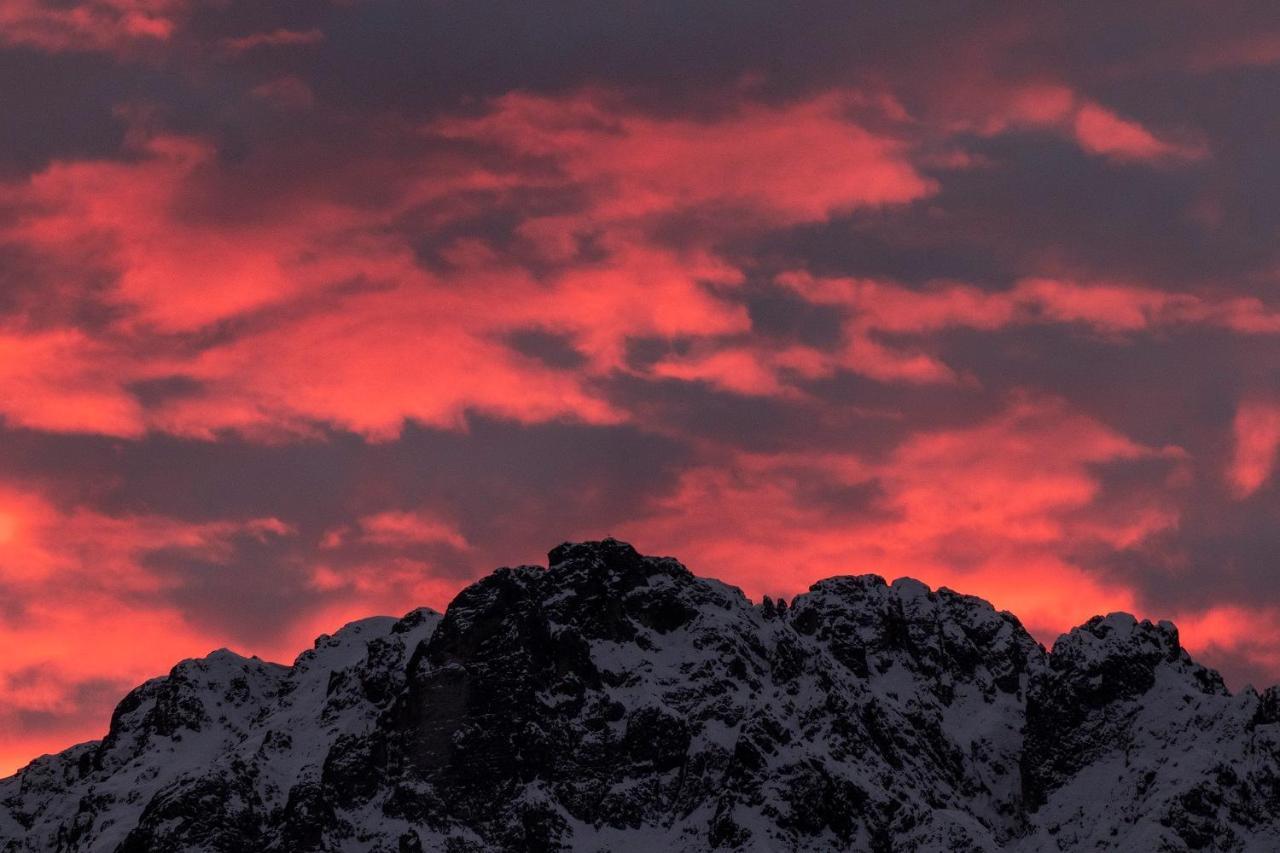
617, 702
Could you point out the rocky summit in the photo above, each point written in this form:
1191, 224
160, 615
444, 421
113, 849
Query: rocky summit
617, 702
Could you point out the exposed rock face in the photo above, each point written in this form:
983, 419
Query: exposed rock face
617, 702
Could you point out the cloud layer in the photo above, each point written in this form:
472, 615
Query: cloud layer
314, 310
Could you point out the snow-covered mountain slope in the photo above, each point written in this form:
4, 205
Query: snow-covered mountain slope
617, 702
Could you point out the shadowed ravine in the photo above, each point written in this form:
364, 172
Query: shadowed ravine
618, 702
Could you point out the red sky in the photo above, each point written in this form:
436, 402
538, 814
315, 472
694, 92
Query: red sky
312, 311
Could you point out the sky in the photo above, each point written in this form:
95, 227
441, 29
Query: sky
314, 310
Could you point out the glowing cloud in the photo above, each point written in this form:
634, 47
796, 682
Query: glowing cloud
750, 158
1257, 441
989, 509
98, 25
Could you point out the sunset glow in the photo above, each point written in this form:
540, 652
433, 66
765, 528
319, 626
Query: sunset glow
314, 311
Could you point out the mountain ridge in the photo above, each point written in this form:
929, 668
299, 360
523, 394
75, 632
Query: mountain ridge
617, 701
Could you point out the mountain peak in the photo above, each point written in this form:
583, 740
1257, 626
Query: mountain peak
610, 561
1117, 636
607, 553
614, 700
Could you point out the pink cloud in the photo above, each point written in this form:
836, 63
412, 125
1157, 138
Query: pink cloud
990, 509
1249, 50
737, 370
51, 557
274, 38
435, 352
641, 165
1247, 632
177, 274
1257, 441
1104, 306
400, 528
64, 381
431, 349
88, 25
1100, 131
976, 102
364, 337
874, 307
289, 92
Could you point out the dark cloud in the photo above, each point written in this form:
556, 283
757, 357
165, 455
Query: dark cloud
897, 245
1177, 388
501, 482
777, 313
60, 107
550, 348
151, 392
1223, 551
698, 411
873, 416
1043, 204
253, 593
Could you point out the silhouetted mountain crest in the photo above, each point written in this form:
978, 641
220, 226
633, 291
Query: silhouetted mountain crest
615, 701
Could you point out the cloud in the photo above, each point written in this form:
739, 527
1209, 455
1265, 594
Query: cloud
1257, 440
884, 324
979, 101
170, 272
96, 25
989, 509
80, 602
64, 381
339, 293
281, 37
288, 336
1237, 50
1101, 306
287, 92
747, 159
399, 528
352, 302
1246, 638
1100, 131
